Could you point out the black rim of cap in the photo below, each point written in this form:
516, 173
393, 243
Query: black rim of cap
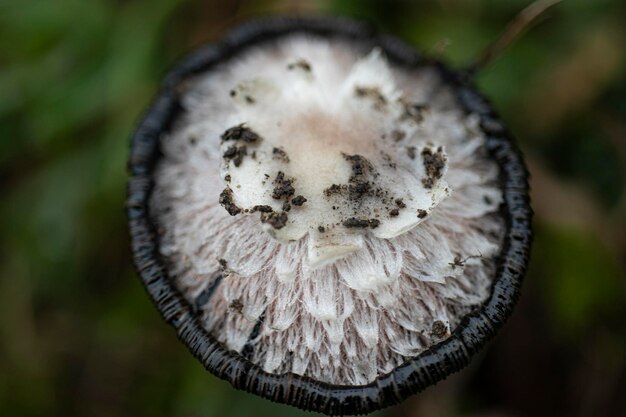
429, 367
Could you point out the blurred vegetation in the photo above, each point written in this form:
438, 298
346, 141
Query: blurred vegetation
78, 335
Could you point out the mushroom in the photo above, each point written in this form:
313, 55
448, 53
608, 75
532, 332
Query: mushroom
327, 218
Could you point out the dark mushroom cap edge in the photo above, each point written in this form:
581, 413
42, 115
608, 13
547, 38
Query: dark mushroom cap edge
416, 374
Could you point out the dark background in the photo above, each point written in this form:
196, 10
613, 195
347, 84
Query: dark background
78, 335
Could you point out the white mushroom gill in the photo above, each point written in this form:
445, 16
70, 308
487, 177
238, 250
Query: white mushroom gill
329, 214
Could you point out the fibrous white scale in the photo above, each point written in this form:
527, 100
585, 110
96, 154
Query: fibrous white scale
330, 214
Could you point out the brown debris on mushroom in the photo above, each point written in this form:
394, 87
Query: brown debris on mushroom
434, 163
240, 132
226, 200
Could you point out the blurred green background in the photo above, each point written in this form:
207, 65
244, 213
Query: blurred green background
78, 335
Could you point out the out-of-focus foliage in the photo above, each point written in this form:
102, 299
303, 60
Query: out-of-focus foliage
78, 336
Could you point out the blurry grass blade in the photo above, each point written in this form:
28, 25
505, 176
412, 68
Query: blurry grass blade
515, 29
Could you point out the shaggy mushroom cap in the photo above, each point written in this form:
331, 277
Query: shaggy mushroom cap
327, 213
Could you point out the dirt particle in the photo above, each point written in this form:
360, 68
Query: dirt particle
414, 111
236, 154
358, 189
240, 132
236, 305
333, 189
394, 212
439, 330
280, 155
301, 64
353, 222
434, 164
411, 152
226, 200
262, 209
230, 152
249, 99
223, 263
283, 187
397, 135
374, 94
276, 220
388, 160
321, 229
421, 213
227, 178
298, 201
286, 206
359, 165
400, 203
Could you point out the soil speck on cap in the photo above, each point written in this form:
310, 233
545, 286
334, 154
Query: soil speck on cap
230, 152
414, 112
301, 64
280, 155
421, 213
333, 189
321, 229
397, 135
236, 154
389, 160
410, 151
240, 132
262, 209
223, 263
283, 187
236, 305
359, 165
226, 200
276, 220
372, 93
400, 203
439, 329
434, 163
358, 189
353, 222
298, 201
394, 212
373, 223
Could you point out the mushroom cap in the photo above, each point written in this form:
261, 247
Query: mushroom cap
447, 354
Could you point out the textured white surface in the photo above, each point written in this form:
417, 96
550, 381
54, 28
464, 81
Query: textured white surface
336, 303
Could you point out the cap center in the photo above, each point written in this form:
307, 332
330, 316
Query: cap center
333, 165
